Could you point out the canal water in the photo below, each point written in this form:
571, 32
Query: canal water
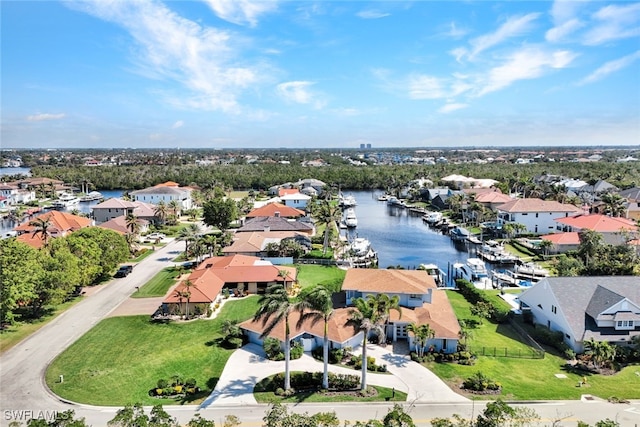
401, 238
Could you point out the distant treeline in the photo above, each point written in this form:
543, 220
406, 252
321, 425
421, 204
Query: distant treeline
345, 177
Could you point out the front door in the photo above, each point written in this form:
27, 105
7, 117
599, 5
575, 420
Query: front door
401, 331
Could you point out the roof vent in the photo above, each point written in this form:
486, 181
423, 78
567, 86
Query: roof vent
276, 214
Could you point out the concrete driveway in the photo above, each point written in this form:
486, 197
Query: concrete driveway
248, 365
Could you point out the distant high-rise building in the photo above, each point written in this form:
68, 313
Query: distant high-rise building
362, 146
368, 145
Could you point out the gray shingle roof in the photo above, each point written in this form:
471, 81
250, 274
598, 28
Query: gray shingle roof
261, 223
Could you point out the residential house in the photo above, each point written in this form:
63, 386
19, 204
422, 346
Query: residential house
296, 200
239, 274
632, 195
562, 242
310, 186
114, 208
614, 231
492, 199
15, 194
603, 308
119, 224
255, 243
276, 209
420, 299
537, 215
166, 192
61, 224
276, 223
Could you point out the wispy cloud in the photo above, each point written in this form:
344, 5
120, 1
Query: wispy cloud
610, 67
426, 87
512, 27
45, 116
562, 31
169, 47
300, 92
454, 31
614, 22
451, 107
242, 11
524, 64
177, 124
371, 14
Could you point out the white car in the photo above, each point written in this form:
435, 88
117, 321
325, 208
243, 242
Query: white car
155, 236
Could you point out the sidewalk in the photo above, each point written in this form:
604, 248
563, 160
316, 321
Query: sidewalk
248, 365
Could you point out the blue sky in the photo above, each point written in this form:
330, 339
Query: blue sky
246, 74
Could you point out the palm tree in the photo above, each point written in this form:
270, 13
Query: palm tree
42, 226
363, 317
545, 245
188, 285
383, 304
320, 305
161, 211
614, 204
275, 307
464, 334
422, 334
132, 224
211, 243
186, 234
328, 214
174, 207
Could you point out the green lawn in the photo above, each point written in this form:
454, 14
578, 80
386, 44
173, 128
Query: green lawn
529, 379
310, 275
119, 360
159, 284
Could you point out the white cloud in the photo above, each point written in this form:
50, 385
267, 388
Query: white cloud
513, 27
299, 92
177, 124
45, 116
610, 67
525, 64
426, 87
171, 48
242, 11
450, 107
371, 14
454, 32
614, 22
560, 32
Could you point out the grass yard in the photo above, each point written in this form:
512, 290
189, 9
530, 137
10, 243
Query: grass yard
310, 275
159, 284
119, 360
529, 379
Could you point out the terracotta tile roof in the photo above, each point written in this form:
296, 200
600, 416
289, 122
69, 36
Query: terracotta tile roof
569, 238
438, 314
34, 241
599, 223
285, 191
60, 221
273, 209
388, 281
537, 205
338, 330
168, 184
205, 288
119, 224
493, 197
481, 191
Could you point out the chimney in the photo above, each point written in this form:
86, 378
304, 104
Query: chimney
267, 229
277, 214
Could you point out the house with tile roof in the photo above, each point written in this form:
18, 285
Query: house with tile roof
277, 210
420, 299
119, 225
614, 230
296, 200
237, 273
603, 308
114, 208
255, 243
165, 192
62, 224
276, 223
537, 215
562, 242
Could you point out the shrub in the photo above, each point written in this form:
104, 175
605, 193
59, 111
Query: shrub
480, 382
162, 383
296, 351
190, 382
272, 348
233, 342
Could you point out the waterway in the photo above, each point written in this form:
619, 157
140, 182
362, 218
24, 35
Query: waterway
401, 238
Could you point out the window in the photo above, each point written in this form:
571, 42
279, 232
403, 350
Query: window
536, 214
625, 324
414, 296
554, 309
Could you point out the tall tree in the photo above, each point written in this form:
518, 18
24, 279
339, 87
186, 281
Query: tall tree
421, 335
317, 305
363, 317
275, 306
220, 212
20, 270
327, 215
43, 227
383, 304
161, 211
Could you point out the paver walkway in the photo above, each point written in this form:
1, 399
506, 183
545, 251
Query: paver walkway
248, 365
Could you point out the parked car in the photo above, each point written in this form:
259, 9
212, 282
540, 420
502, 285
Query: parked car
124, 271
155, 236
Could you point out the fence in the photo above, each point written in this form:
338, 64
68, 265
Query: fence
530, 353
318, 261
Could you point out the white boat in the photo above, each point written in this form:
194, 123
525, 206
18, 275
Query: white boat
65, 200
394, 201
432, 217
434, 271
90, 197
360, 246
361, 254
530, 269
493, 252
459, 234
347, 201
350, 219
473, 270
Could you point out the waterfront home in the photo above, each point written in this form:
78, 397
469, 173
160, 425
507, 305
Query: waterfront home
256, 243
276, 223
537, 215
276, 209
114, 208
239, 274
61, 224
420, 299
16, 195
296, 200
603, 308
614, 231
165, 192
492, 199
562, 242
